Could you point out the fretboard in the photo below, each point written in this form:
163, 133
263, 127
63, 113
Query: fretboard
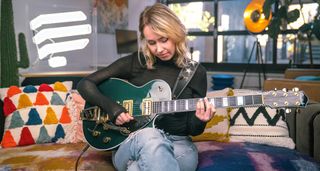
184, 105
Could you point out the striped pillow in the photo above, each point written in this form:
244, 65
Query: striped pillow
261, 125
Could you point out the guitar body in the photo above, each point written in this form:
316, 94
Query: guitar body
99, 133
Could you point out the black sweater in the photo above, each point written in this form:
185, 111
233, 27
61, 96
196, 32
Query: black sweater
130, 69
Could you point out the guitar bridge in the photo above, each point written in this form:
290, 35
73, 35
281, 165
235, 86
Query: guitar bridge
128, 105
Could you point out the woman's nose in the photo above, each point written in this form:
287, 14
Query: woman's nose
159, 48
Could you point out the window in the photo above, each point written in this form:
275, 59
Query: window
219, 39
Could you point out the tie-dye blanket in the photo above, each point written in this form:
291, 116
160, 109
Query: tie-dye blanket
41, 157
213, 155
250, 156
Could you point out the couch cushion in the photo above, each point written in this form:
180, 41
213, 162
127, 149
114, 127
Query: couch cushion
35, 114
308, 78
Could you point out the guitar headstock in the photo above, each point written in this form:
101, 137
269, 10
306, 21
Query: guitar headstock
285, 99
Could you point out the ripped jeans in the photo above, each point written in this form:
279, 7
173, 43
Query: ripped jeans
151, 149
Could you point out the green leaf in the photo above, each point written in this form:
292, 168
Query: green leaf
316, 29
267, 7
305, 27
293, 15
282, 13
274, 28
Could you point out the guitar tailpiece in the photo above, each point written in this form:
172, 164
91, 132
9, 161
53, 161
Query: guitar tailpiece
122, 130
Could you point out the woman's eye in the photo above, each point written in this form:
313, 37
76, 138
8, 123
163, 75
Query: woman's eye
151, 42
164, 39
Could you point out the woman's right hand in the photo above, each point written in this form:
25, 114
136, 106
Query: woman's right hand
123, 118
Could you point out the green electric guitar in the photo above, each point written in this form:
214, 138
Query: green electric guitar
147, 102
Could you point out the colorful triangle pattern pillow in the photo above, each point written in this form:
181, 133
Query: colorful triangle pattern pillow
35, 114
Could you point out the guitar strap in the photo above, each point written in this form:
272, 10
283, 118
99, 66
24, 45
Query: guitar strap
184, 78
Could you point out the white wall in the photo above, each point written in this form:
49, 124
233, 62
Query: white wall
107, 50
106, 43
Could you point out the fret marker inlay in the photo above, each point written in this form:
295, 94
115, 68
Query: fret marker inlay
240, 100
224, 101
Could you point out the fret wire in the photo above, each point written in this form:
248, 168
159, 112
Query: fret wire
218, 102
257, 99
248, 100
178, 103
154, 107
232, 101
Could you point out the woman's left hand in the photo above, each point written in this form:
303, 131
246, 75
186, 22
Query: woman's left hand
205, 110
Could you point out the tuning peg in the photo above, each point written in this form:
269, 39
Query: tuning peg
285, 90
275, 89
295, 89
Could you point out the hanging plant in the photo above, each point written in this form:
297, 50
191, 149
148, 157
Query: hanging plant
281, 18
312, 27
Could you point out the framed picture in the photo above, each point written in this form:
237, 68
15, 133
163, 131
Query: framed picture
111, 15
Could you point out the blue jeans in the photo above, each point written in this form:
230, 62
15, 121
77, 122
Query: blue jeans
152, 149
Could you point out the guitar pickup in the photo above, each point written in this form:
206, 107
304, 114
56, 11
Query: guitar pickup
146, 106
128, 105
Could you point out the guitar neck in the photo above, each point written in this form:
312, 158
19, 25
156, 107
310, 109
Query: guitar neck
184, 105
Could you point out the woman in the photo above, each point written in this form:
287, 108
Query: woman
168, 146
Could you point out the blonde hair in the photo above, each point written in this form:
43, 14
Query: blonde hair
164, 22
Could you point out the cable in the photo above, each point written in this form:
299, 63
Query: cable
78, 159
